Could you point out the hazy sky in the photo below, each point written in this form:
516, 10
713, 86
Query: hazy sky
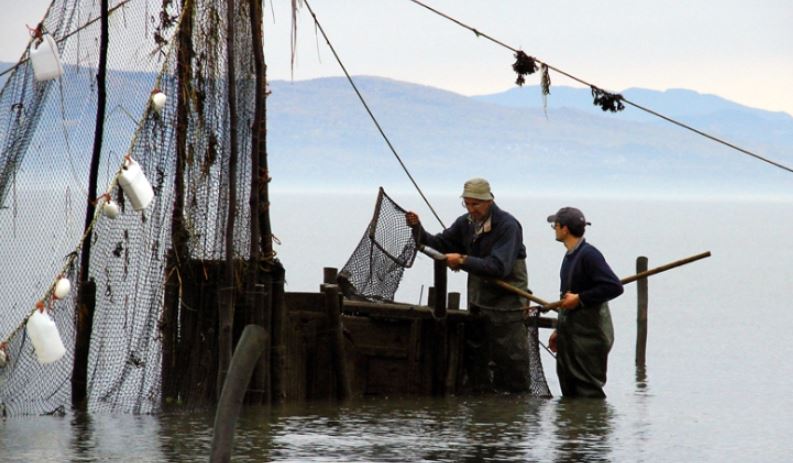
739, 49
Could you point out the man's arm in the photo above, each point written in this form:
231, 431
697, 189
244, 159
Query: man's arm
605, 284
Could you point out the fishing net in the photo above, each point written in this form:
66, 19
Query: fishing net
375, 268
46, 141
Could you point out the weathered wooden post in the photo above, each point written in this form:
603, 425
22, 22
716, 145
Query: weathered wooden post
250, 347
438, 302
441, 338
454, 301
333, 309
641, 313
329, 275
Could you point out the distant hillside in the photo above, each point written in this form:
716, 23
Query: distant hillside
319, 128
320, 137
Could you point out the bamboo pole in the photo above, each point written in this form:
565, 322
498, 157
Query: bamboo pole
641, 312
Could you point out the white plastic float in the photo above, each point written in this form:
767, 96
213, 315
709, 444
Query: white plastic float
135, 185
43, 333
45, 60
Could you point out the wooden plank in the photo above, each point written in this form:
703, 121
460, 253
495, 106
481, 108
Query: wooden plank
390, 310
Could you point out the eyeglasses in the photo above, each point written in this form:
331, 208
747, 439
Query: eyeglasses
553, 225
476, 205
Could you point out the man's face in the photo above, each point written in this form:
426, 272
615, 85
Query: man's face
478, 209
561, 231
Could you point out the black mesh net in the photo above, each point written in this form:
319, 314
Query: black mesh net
375, 268
46, 137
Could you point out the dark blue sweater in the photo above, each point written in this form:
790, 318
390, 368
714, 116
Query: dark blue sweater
592, 278
492, 254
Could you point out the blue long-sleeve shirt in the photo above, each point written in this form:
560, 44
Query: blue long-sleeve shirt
492, 254
592, 278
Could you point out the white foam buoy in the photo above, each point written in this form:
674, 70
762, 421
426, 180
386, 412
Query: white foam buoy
3, 358
45, 60
158, 100
135, 185
62, 288
43, 333
110, 209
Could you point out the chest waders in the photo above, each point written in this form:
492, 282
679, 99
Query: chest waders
584, 338
499, 344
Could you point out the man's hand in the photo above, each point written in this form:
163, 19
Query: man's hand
570, 301
412, 219
454, 261
552, 341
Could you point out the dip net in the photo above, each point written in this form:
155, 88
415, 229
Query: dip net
387, 248
46, 141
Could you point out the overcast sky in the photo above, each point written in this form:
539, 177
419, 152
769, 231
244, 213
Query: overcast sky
739, 49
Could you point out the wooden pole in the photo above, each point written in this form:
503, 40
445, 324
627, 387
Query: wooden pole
439, 301
250, 347
86, 303
279, 327
454, 301
664, 268
641, 312
226, 308
333, 308
555, 305
177, 266
329, 275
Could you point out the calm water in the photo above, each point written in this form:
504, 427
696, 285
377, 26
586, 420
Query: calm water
717, 386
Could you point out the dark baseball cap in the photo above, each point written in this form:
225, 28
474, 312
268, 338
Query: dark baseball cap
569, 216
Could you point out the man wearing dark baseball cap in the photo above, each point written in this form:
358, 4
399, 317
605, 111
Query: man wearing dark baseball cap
584, 333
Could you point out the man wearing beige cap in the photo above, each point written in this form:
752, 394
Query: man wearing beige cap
487, 242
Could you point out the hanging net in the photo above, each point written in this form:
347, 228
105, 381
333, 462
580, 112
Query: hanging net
375, 268
46, 141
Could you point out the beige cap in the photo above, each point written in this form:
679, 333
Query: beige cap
477, 188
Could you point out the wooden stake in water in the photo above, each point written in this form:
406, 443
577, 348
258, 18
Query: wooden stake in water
641, 312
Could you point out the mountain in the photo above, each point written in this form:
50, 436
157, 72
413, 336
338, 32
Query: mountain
320, 137
320, 129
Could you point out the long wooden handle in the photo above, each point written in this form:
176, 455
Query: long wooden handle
664, 268
624, 281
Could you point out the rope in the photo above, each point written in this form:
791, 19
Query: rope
371, 115
581, 81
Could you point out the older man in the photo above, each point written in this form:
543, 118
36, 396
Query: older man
487, 242
584, 333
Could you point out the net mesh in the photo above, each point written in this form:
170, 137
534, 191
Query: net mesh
375, 268
46, 136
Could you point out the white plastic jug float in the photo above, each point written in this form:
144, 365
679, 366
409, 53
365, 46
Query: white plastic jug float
135, 185
43, 333
45, 60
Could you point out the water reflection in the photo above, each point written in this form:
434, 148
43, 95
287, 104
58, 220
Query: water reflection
485, 428
82, 441
641, 379
583, 429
